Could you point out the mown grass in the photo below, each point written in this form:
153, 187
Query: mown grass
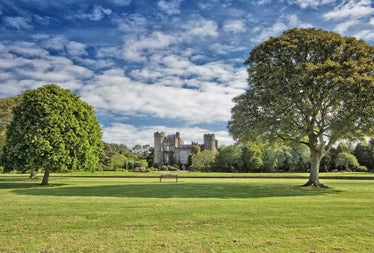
194, 215
185, 174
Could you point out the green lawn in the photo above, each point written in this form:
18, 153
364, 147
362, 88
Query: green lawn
194, 215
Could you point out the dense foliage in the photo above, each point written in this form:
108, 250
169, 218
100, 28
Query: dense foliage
120, 157
260, 157
6, 116
54, 130
307, 86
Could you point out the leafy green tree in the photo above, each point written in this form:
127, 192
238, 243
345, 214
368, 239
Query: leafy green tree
120, 148
142, 163
307, 86
195, 149
252, 155
52, 129
327, 163
301, 156
364, 152
271, 163
117, 162
286, 161
203, 161
229, 159
346, 161
6, 116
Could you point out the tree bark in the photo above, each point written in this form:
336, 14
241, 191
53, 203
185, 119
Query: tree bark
33, 174
45, 177
314, 170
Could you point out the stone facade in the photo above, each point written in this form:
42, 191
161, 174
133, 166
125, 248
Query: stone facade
172, 150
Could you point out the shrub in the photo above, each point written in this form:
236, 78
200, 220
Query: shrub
164, 168
362, 168
150, 169
172, 168
140, 169
346, 161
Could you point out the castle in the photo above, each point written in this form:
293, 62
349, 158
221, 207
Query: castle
172, 150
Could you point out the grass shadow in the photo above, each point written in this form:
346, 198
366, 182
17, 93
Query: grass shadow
180, 190
22, 183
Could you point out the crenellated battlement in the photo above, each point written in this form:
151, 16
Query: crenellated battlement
159, 134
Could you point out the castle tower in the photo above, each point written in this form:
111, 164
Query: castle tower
210, 142
158, 152
178, 140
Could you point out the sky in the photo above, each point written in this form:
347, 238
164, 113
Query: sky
155, 65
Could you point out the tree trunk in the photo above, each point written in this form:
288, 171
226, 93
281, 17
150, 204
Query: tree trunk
315, 160
45, 177
33, 174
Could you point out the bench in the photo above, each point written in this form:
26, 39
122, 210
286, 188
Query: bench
169, 176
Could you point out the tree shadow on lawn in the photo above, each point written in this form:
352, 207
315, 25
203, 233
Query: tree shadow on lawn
181, 190
21, 183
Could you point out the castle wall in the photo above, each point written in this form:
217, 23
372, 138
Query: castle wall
171, 149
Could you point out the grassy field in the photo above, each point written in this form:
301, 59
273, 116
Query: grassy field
185, 174
195, 215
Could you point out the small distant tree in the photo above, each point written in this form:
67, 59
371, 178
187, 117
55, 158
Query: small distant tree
346, 161
229, 159
203, 161
252, 156
52, 129
141, 163
195, 149
117, 162
364, 152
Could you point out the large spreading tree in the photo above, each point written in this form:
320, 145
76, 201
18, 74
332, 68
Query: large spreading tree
307, 86
54, 130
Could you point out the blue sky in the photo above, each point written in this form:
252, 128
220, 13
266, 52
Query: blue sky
155, 65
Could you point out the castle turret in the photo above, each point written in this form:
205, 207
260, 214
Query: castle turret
210, 142
158, 152
178, 140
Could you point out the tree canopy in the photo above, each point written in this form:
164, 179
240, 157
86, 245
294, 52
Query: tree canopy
54, 130
307, 86
6, 116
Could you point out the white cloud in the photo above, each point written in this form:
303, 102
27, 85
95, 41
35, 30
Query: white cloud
130, 135
75, 48
350, 9
131, 22
367, 35
200, 28
56, 43
20, 23
263, 2
343, 27
97, 14
121, 2
314, 4
62, 44
308, 3
235, 26
109, 52
159, 90
170, 7
136, 49
283, 23
31, 66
